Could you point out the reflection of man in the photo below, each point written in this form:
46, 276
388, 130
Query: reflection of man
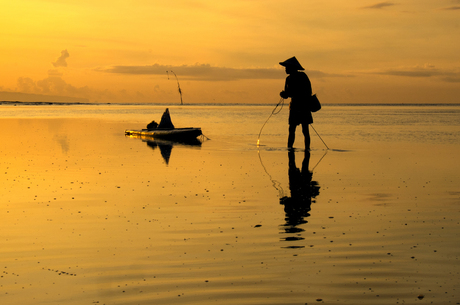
303, 189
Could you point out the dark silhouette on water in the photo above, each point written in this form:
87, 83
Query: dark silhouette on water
152, 125
298, 88
166, 131
167, 146
298, 206
165, 122
165, 149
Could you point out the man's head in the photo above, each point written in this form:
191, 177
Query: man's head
290, 70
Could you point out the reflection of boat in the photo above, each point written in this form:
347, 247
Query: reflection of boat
165, 146
165, 135
174, 134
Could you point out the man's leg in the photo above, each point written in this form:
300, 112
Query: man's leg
306, 134
291, 137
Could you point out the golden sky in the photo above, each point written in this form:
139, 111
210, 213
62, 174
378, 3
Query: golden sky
356, 51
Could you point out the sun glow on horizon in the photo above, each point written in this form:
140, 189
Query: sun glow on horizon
353, 51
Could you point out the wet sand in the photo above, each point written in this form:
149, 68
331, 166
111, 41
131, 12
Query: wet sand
90, 216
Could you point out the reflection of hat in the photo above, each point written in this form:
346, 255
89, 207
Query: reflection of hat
293, 63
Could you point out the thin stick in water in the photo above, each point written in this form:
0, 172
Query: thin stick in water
178, 86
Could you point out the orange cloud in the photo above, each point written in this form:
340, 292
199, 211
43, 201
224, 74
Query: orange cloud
448, 75
380, 5
452, 8
206, 72
61, 61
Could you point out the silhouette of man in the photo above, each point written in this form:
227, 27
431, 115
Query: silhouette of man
298, 88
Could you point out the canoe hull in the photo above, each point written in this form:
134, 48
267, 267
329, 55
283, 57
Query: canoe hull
176, 134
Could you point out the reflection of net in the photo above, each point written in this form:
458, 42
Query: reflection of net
317, 163
276, 184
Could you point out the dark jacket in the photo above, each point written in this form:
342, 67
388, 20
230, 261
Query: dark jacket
298, 88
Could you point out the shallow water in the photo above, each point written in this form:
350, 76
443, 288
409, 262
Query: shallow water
91, 216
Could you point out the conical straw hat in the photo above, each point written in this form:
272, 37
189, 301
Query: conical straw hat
292, 62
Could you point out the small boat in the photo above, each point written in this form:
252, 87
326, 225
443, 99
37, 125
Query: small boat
166, 131
171, 134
